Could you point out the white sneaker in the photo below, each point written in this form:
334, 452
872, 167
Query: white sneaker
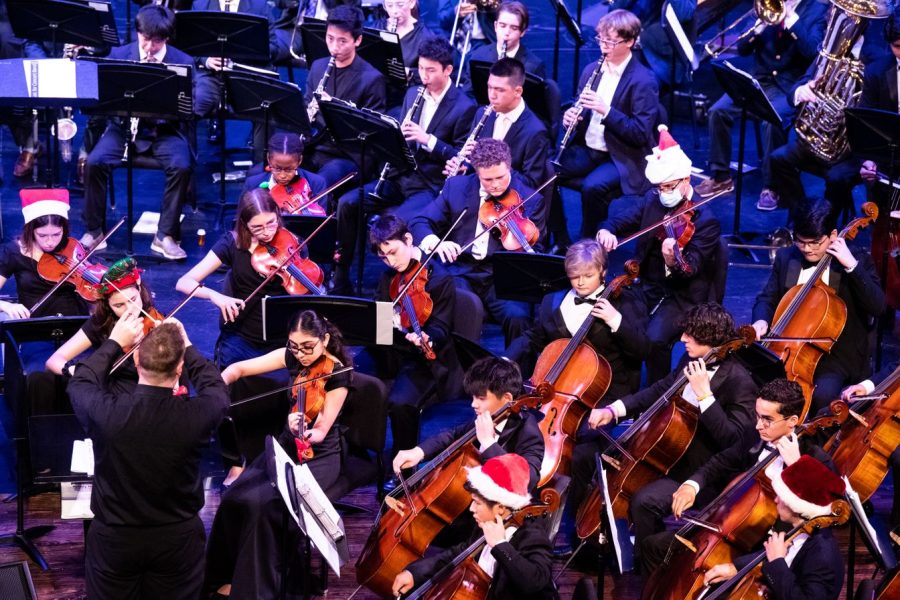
89, 241
168, 247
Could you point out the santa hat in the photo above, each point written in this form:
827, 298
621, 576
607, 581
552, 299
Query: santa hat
807, 487
121, 274
502, 479
668, 161
38, 203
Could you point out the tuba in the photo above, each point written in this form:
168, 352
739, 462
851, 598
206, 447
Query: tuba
838, 75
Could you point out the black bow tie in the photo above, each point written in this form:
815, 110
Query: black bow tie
580, 300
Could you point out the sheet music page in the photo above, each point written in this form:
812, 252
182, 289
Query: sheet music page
75, 500
82, 457
674, 24
50, 78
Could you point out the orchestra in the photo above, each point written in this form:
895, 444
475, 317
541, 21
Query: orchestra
613, 396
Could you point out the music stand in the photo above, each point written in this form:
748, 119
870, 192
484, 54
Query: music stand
313, 38
381, 49
527, 277
362, 322
534, 90
564, 17
145, 90
359, 131
14, 333
762, 364
746, 93
321, 247
64, 21
683, 52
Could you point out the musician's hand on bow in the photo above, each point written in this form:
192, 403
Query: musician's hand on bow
604, 309
407, 459
600, 417
683, 499
868, 171
448, 251
571, 115
591, 100
228, 306
838, 249
413, 132
128, 330
15, 311
403, 582
607, 240
668, 251
857, 389
293, 423
776, 547
415, 340
494, 531
484, 429
719, 573
761, 327
698, 377
806, 92
788, 448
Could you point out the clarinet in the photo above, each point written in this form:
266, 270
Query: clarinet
463, 155
313, 108
503, 50
570, 130
420, 95
392, 25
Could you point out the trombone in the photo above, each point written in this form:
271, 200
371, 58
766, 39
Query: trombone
764, 12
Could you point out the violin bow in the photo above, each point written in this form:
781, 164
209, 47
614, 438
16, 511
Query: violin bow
669, 218
125, 356
428, 258
506, 215
133, 303
325, 192
80, 262
290, 387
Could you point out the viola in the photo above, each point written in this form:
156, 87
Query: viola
415, 304
309, 399
296, 198
681, 229
579, 377
298, 275
810, 317
506, 213
54, 266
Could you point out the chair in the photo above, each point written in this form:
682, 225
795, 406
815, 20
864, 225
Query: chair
866, 590
468, 315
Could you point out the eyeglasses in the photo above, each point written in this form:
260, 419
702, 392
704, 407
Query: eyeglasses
282, 169
811, 244
768, 421
307, 348
668, 187
602, 41
260, 228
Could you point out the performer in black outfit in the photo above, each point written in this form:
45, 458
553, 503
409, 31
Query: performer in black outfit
353, 80
168, 142
610, 144
282, 168
670, 287
146, 539
415, 377
809, 565
401, 16
724, 393
473, 269
517, 559
510, 27
851, 273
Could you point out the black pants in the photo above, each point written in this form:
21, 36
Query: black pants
663, 330
145, 562
601, 184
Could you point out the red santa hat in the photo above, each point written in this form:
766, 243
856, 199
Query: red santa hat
668, 161
808, 487
502, 479
38, 203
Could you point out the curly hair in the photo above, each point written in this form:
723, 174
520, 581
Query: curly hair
709, 324
788, 394
489, 152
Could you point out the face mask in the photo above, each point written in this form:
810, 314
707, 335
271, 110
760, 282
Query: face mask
671, 199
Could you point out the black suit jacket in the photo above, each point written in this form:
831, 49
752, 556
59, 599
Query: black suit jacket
521, 435
462, 192
701, 252
630, 124
624, 349
251, 7
880, 85
528, 142
861, 292
524, 564
488, 53
817, 572
723, 424
316, 183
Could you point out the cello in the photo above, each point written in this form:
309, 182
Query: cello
729, 526
578, 377
810, 318
432, 499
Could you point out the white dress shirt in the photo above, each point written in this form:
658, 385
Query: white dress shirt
486, 560
504, 121
430, 105
609, 81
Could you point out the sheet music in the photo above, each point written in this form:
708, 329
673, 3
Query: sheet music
687, 48
50, 78
75, 500
624, 552
82, 457
384, 323
885, 555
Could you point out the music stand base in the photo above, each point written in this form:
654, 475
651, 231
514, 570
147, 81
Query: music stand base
23, 539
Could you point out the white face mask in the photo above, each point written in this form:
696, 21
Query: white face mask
671, 199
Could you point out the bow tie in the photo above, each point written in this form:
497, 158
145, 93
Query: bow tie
579, 300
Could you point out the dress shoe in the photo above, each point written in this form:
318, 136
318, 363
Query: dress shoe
711, 187
768, 200
168, 247
91, 239
25, 162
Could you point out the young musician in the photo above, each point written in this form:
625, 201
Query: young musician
851, 274
351, 79
810, 565
283, 171
402, 17
671, 286
510, 27
437, 131
517, 559
147, 539
611, 142
245, 542
168, 142
414, 376
482, 20
473, 268
723, 393
493, 383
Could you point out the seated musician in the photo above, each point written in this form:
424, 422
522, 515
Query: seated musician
516, 559
473, 268
414, 376
779, 405
246, 540
809, 565
724, 393
611, 142
437, 130
284, 178
167, 142
492, 382
481, 15
402, 17
671, 286
851, 274
510, 27
351, 79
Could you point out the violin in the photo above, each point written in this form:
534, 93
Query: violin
506, 213
54, 266
309, 399
299, 276
296, 198
415, 304
681, 229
